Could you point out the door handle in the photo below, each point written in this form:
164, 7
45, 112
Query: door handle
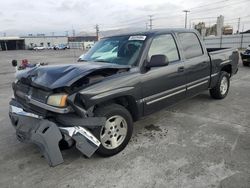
181, 69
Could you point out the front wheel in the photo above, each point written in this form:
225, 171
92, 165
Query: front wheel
116, 133
221, 89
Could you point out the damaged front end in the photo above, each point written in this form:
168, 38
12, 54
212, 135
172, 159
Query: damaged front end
32, 128
41, 117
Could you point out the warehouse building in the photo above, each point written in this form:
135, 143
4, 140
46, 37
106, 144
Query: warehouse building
32, 41
11, 43
82, 42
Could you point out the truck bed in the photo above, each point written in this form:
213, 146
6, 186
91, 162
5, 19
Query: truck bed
221, 56
217, 50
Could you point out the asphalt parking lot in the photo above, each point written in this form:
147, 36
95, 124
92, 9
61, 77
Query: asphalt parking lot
200, 142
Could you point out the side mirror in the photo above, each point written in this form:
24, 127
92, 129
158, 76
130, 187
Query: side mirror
14, 63
158, 60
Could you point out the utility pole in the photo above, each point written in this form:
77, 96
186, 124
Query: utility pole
238, 30
186, 12
150, 22
146, 25
97, 30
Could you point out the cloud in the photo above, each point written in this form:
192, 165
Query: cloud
62, 15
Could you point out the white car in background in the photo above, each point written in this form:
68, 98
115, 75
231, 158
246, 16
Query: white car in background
39, 48
89, 46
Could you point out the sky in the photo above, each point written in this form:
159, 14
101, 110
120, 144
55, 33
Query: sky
22, 17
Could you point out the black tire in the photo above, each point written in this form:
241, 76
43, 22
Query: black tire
245, 63
110, 111
216, 91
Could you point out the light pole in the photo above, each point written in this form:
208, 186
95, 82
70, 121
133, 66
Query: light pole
186, 12
150, 22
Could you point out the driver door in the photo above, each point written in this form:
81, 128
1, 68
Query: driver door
163, 86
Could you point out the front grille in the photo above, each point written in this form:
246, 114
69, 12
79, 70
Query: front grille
21, 91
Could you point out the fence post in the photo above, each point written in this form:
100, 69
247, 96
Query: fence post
221, 41
241, 41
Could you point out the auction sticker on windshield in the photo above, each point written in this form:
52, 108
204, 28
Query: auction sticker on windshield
137, 37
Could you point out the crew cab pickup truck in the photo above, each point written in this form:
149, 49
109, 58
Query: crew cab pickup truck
92, 104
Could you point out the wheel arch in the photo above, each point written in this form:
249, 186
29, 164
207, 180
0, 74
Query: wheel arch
127, 101
227, 68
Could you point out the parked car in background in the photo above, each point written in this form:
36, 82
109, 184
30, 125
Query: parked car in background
61, 47
39, 48
50, 47
245, 56
89, 46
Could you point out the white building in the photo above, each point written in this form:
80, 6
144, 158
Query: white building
220, 25
42, 40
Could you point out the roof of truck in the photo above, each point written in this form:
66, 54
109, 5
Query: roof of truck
153, 32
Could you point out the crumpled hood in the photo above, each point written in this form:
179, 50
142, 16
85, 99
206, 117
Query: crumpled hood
56, 76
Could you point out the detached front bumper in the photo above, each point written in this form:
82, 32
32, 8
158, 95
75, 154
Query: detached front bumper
32, 128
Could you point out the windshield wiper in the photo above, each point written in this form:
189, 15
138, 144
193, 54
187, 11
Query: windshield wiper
82, 60
102, 60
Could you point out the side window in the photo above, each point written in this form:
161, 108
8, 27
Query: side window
191, 45
165, 45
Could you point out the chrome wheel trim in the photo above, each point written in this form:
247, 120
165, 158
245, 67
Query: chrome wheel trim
114, 132
223, 85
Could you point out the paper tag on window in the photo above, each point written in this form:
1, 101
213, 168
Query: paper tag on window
137, 37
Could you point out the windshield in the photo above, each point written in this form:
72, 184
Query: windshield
123, 50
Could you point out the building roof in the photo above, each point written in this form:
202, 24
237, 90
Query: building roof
11, 38
35, 36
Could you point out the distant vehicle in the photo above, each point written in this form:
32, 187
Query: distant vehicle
39, 48
89, 46
50, 47
245, 56
61, 47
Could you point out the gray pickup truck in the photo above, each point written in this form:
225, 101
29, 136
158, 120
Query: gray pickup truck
92, 104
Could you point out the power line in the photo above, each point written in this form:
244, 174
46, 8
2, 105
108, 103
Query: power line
220, 7
222, 1
198, 10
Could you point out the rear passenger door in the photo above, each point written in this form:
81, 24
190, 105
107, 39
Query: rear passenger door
197, 63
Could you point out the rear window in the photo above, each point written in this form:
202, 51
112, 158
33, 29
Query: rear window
191, 45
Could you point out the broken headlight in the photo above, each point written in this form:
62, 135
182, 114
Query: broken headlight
59, 100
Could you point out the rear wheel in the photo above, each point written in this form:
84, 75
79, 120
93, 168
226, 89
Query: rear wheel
116, 133
221, 89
